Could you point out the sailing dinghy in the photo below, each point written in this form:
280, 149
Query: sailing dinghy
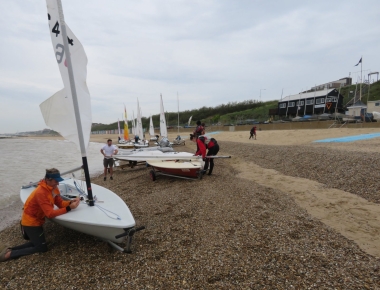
69, 112
153, 136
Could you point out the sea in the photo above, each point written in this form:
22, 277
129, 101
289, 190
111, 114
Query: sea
25, 160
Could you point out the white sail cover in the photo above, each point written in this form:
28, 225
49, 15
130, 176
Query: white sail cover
58, 110
376, 115
190, 120
163, 128
151, 128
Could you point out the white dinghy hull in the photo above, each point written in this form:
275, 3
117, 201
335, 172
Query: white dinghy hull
108, 218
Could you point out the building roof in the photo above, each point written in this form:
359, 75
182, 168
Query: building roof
358, 104
308, 95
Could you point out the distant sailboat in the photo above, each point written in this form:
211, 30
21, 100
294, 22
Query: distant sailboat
151, 130
163, 127
126, 131
189, 122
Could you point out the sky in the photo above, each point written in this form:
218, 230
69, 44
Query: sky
206, 52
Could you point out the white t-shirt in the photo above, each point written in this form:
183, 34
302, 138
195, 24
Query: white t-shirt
108, 150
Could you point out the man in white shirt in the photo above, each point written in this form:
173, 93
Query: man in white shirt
108, 151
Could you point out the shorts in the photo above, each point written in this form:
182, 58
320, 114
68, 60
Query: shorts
108, 162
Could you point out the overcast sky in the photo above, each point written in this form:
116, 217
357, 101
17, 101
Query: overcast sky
210, 52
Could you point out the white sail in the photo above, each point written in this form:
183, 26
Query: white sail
190, 120
151, 128
139, 128
133, 123
58, 110
163, 128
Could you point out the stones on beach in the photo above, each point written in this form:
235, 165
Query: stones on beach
223, 232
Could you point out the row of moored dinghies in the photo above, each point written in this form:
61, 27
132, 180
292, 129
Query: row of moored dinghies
139, 140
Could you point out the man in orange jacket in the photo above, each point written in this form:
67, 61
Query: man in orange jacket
40, 204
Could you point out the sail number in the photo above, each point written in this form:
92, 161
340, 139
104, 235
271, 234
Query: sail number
60, 50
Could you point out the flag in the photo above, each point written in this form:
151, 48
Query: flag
359, 62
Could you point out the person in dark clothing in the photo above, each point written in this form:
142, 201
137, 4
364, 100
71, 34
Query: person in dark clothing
253, 133
213, 149
198, 130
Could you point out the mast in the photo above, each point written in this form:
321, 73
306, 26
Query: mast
178, 112
315, 91
75, 103
361, 76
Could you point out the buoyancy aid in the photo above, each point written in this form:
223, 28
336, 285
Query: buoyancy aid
40, 204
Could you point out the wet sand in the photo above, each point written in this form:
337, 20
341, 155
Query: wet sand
282, 213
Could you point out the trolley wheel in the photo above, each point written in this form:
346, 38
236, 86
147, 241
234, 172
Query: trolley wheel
200, 175
152, 175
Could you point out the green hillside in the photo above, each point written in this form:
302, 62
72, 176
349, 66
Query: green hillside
370, 92
209, 115
238, 112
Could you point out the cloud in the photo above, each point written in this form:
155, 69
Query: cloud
210, 52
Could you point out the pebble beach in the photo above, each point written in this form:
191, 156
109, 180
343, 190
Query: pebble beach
282, 213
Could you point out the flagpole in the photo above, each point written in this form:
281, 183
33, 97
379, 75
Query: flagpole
361, 76
75, 102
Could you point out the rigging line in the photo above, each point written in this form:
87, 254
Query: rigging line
105, 212
98, 206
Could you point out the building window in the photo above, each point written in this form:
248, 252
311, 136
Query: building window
309, 102
328, 100
291, 104
377, 104
300, 103
320, 101
283, 106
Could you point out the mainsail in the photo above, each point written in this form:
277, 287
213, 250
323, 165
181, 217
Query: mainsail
133, 124
189, 121
151, 128
126, 133
163, 128
73, 101
118, 127
58, 111
139, 128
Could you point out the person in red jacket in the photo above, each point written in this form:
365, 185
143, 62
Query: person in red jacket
40, 204
201, 145
213, 149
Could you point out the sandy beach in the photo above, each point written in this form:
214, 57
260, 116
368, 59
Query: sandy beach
282, 213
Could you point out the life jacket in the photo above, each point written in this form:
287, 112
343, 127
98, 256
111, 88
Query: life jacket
213, 147
199, 130
40, 204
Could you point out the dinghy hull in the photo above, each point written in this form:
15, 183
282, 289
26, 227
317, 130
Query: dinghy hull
108, 218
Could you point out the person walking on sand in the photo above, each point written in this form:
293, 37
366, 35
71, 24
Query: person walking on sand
252, 133
108, 151
38, 206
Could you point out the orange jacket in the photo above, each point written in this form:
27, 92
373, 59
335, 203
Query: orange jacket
40, 204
